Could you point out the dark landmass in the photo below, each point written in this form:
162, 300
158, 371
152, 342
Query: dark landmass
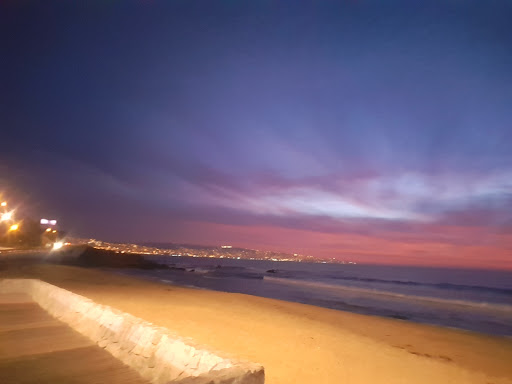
223, 251
86, 256
176, 246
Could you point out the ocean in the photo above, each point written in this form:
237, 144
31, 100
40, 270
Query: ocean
476, 300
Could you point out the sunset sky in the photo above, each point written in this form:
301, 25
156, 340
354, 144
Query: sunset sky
375, 131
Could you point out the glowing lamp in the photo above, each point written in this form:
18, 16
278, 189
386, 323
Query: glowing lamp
6, 216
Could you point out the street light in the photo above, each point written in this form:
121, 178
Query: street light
3, 204
14, 227
6, 216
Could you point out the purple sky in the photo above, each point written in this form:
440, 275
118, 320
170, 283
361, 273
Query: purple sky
378, 131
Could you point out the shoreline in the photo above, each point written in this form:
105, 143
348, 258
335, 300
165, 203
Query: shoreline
295, 342
457, 303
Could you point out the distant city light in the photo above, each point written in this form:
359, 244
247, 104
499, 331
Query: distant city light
226, 246
14, 227
4, 204
6, 216
53, 222
48, 229
44, 221
58, 245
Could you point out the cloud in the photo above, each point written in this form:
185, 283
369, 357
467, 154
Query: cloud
412, 197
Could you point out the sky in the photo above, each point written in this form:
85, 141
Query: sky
373, 131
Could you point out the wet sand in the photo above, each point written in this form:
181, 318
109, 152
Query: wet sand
296, 343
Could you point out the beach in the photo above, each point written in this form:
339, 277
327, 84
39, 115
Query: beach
296, 343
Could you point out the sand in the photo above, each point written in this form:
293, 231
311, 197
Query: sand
296, 343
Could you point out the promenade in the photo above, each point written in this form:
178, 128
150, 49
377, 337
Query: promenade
37, 348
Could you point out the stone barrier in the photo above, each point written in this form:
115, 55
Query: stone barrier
155, 352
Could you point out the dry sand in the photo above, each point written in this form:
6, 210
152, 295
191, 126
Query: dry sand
295, 343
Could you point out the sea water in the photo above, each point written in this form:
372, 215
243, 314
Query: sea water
477, 300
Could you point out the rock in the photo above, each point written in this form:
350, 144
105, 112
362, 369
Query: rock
93, 257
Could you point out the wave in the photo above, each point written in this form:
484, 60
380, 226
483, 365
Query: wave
448, 286
428, 299
216, 267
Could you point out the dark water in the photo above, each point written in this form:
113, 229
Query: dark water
478, 300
